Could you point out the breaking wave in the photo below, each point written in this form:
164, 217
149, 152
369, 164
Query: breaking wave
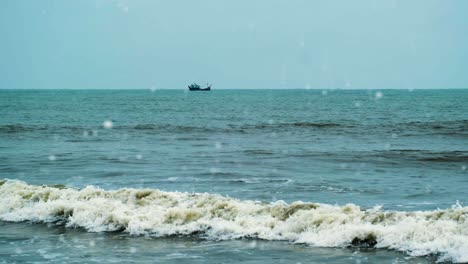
443, 233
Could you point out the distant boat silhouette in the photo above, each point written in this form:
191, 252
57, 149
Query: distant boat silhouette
196, 87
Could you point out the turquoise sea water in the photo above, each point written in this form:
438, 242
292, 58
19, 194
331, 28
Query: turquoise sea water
307, 176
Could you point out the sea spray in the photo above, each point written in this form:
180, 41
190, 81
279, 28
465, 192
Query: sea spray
443, 233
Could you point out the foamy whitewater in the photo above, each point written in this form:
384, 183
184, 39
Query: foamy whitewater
152, 212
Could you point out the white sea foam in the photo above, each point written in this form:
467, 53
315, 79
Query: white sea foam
152, 212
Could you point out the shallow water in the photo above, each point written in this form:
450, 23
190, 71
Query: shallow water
58, 244
405, 151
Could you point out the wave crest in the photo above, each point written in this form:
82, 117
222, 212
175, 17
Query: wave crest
157, 213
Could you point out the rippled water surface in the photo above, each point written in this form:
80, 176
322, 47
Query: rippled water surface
403, 151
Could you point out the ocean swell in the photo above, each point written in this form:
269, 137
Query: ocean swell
446, 128
443, 233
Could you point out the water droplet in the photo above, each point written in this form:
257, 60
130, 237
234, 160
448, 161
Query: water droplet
378, 95
52, 158
214, 170
253, 244
107, 124
139, 156
218, 145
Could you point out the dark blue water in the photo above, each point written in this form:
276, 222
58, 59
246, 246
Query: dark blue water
403, 150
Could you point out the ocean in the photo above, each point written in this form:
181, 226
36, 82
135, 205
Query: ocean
227, 176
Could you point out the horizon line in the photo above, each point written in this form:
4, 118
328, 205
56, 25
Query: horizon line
185, 89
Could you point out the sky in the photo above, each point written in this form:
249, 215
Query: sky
241, 44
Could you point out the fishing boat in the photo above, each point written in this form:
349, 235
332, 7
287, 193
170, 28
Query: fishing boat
196, 87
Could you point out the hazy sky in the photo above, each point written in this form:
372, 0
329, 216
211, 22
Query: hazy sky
234, 43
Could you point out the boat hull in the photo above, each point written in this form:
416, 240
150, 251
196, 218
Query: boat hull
200, 89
